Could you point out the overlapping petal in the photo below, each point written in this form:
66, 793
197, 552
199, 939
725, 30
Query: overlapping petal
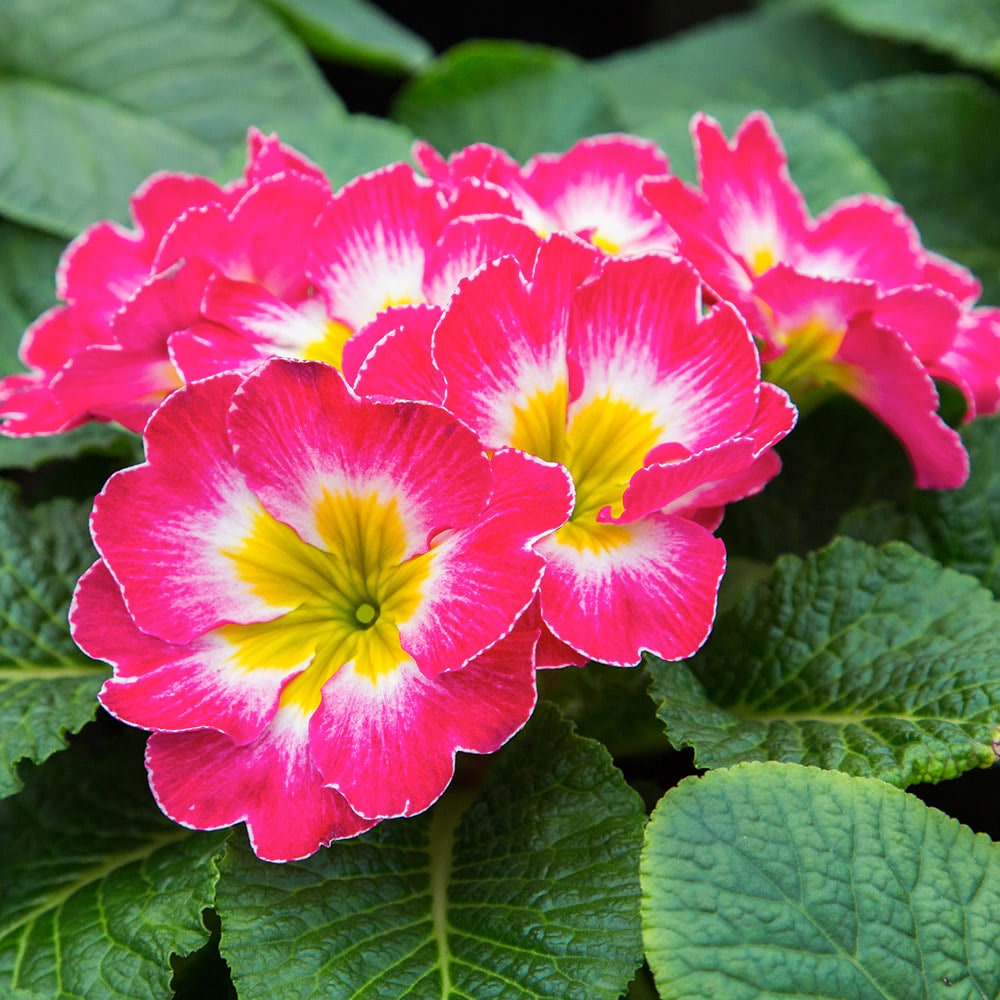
318, 596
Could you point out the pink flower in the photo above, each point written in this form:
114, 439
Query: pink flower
313, 604
592, 190
103, 354
607, 367
848, 302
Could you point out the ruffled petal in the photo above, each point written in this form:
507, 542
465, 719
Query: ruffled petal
651, 585
400, 363
206, 781
482, 578
389, 746
190, 516
300, 435
886, 376
171, 688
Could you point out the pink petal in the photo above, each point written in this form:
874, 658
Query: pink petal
400, 364
865, 238
637, 334
113, 384
951, 277
389, 746
468, 243
593, 188
188, 512
299, 433
925, 317
371, 242
886, 377
167, 687
973, 362
206, 781
483, 577
760, 212
653, 589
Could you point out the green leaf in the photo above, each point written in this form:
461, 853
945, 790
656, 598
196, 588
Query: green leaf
933, 138
93, 438
99, 889
767, 59
523, 98
48, 687
959, 528
823, 162
877, 662
95, 96
357, 32
799, 510
774, 880
531, 892
968, 30
28, 261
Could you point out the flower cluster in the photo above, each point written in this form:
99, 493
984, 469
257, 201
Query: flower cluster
409, 441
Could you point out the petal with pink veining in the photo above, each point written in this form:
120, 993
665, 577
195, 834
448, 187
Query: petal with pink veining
885, 375
389, 746
172, 688
204, 780
400, 363
185, 564
649, 585
483, 577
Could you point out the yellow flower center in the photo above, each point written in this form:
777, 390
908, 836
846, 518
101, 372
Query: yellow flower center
602, 443
348, 598
806, 367
330, 347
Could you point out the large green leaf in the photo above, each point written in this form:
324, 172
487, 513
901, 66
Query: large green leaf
523, 98
47, 686
532, 892
97, 95
959, 528
934, 139
354, 31
774, 880
769, 59
99, 889
823, 162
876, 662
969, 30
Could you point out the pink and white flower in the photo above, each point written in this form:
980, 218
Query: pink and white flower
591, 190
849, 301
103, 354
314, 605
607, 367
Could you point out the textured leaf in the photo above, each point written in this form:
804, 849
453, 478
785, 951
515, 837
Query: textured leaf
98, 887
934, 139
876, 662
47, 686
97, 95
969, 30
533, 894
959, 528
799, 510
769, 59
523, 98
823, 162
774, 880
354, 31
